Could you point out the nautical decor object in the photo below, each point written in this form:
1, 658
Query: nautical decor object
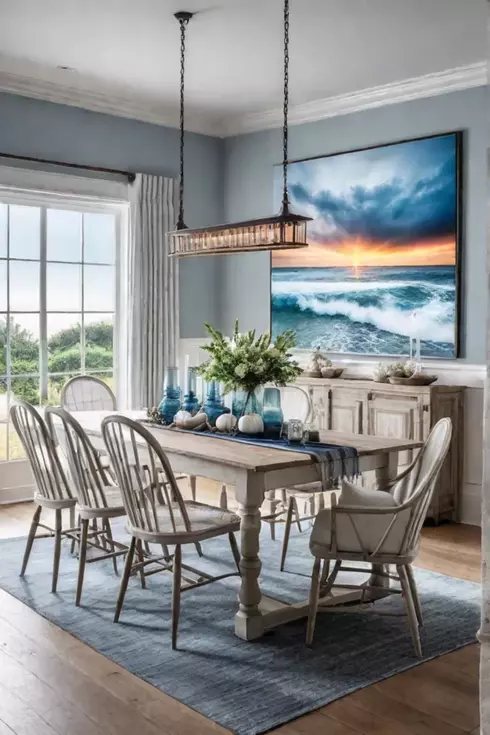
226, 423
251, 423
172, 395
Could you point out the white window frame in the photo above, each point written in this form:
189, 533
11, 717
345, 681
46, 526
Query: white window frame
76, 193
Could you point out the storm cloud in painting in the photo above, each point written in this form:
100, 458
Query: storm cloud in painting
381, 262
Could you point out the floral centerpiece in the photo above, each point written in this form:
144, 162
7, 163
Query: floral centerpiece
246, 362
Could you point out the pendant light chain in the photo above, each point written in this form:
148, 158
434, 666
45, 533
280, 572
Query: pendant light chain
285, 199
183, 19
283, 231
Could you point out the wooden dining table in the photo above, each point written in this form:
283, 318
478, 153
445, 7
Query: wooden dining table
252, 470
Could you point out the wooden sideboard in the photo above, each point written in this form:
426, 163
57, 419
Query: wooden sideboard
402, 412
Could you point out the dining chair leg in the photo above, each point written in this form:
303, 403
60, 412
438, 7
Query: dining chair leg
415, 595
287, 531
199, 548
325, 573
296, 512
314, 593
81, 559
139, 549
72, 516
192, 483
30, 538
74, 540
125, 579
272, 526
410, 607
176, 593
57, 549
108, 530
235, 551
223, 498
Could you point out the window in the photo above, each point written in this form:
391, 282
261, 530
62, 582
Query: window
57, 302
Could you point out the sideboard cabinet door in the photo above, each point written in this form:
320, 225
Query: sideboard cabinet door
397, 416
345, 410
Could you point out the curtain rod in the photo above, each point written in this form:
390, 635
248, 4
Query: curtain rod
129, 175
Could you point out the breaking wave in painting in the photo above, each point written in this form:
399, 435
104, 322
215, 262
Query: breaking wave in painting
373, 311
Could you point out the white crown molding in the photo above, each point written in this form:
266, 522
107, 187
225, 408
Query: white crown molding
429, 85
104, 99
100, 98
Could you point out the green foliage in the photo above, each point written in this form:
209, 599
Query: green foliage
63, 356
27, 389
99, 334
244, 362
23, 346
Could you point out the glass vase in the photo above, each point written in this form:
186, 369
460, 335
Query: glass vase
272, 413
245, 402
172, 395
191, 401
214, 405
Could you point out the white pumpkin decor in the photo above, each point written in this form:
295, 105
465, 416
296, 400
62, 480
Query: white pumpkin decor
182, 416
251, 423
226, 422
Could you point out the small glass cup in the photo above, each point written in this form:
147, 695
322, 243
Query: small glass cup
295, 431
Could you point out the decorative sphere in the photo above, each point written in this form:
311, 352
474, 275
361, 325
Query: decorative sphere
226, 422
251, 423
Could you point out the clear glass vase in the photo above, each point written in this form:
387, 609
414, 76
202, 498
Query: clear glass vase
272, 413
245, 402
172, 395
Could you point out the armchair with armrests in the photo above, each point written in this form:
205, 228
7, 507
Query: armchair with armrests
382, 528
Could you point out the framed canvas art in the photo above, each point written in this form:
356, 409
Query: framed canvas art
382, 264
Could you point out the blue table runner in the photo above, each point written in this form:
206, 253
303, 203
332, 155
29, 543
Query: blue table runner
334, 462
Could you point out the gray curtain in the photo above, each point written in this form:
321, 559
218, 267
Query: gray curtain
153, 290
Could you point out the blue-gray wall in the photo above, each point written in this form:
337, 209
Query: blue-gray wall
245, 279
31, 127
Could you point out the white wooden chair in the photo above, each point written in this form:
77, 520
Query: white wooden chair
87, 393
144, 473
382, 528
53, 489
98, 497
296, 404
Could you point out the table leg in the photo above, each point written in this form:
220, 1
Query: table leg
383, 475
249, 623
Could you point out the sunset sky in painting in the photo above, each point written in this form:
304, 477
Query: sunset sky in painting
388, 206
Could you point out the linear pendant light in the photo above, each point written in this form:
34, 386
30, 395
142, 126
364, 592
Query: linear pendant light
285, 231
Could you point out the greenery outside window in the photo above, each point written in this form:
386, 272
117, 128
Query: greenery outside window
57, 303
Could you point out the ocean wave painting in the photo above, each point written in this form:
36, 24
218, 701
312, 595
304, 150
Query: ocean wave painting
381, 265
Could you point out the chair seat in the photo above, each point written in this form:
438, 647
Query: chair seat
206, 521
114, 508
305, 490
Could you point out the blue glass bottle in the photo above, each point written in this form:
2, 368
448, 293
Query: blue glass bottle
172, 395
214, 405
191, 401
272, 413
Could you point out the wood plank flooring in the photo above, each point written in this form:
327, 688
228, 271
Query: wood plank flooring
51, 684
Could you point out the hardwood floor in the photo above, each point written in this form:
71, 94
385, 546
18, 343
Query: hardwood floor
51, 684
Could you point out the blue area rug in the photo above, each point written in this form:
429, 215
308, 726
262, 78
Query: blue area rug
246, 687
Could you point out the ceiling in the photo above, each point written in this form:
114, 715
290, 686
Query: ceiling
124, 54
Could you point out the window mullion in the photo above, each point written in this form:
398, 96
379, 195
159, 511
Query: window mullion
82, 280
8, 358
43, 323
